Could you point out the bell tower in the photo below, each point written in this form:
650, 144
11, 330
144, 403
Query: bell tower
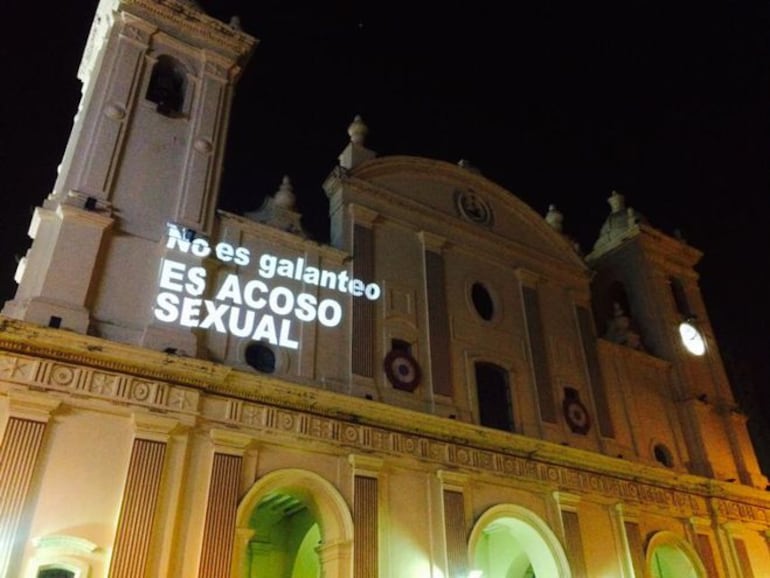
646, 293
146, 149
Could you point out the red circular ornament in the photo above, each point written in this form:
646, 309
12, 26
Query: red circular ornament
402, 370
577, 416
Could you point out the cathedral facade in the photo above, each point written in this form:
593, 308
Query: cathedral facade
449, 388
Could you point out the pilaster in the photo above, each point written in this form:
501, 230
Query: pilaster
19, 451
219, 524
133, 539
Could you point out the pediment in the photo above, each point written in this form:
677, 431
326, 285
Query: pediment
459, 197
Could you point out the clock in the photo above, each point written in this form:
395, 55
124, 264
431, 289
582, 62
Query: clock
691, 338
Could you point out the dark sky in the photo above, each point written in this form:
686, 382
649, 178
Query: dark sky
559, 102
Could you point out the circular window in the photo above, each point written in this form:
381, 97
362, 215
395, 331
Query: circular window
663, 455
260, 357
482, 301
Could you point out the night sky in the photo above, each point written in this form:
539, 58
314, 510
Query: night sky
559, 102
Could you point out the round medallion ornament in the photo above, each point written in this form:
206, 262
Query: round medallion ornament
402, 370
577, 416
473, 207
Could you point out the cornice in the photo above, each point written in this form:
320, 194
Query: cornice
658, 248
194, 26
616, 350
282, 238
456, 176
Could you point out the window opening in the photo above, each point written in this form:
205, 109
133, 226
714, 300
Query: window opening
663, 455
494, 397
260, 357
167, 86
286, 539
619, 295
482, 301
668, 561
680, 297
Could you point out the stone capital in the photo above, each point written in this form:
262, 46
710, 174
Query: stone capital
153, 427
366, 466
32, 406
230, 442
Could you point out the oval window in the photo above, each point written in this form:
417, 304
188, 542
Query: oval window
482, 301
260, 357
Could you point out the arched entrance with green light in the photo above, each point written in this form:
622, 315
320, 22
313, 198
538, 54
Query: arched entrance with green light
293, 524
669, 556
509, 541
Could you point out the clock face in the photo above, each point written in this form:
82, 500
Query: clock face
692, 339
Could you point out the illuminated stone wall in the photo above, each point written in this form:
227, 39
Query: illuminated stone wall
543, 496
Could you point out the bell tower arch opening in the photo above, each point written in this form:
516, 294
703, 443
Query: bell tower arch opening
167, 86
494, 396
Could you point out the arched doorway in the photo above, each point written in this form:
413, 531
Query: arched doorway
669, 556
512, 542
293, 524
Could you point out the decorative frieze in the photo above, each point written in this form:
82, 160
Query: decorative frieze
296, 426
742, 511
84, 380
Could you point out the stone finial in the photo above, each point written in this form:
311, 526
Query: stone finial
617, 202
284, 196
355, 152
468, 166
358, 130
621, 224
555, 218
278, 210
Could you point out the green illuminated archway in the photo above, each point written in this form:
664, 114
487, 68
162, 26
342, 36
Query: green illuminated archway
509, 541
669, 556
293, 524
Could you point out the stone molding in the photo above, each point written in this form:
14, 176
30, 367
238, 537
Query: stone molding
86, 381
193, 24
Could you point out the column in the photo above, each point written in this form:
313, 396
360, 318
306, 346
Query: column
738, 549
366, 530
222, 503
629, 540
133, 539
699, 532
573, 539
19, 450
